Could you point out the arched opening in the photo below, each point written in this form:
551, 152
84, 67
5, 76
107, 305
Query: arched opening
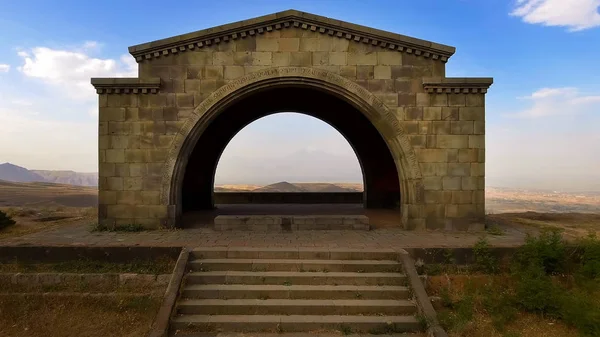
380, 175
288, 152
203, 124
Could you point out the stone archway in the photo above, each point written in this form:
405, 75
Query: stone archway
375, 111
433, 126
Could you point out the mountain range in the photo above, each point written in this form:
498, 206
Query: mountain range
14, 173
285, 186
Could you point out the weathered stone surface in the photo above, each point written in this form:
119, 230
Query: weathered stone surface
433, 127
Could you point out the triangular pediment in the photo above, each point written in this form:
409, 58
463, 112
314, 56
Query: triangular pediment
286, 20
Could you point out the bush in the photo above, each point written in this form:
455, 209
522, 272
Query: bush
5, 220
535, 291
579, 310
484, 260
460, 316
499, 302
590, 257
547, 250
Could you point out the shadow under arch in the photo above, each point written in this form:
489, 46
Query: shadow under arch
295, 80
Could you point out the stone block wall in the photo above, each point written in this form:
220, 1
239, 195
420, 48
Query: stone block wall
444, 121
448, 134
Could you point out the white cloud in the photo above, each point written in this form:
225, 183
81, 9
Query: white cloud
4, 68
93, 111
574, 14
558, 101
40, 129
21, 102
91, 45
71, 70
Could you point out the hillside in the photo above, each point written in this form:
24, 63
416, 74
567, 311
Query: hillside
41, 194
69, 177
14, 173
10, 172
283, 186
326, 187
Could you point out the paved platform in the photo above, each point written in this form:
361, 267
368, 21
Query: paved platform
379, 238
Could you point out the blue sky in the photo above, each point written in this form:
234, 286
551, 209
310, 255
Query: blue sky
543, 111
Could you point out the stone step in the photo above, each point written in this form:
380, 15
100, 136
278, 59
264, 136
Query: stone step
325, 292
295, 278
182, 333
296, 323
295, 307
306, 253
361, 266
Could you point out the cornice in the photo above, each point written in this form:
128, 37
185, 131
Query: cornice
286, 20
126, 85
457, 85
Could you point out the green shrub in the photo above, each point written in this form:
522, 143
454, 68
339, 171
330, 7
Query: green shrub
433, 269
5, 220
590, 257
535, 292
579, 310
445, 297
500, 304
449, 256
485, 261
460, 316
547, 250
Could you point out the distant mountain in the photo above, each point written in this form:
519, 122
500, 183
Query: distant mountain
14, 173
324, 187
283, 186
69, 177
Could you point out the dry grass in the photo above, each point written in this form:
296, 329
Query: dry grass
46, 195
97, 287
573, 225
40, 206
156, 266
58, 316
524, 325
481, 325
35, 219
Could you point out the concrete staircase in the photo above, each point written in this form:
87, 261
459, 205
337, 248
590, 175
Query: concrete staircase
294, 290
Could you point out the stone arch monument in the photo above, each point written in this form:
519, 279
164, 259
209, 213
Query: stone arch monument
419, 136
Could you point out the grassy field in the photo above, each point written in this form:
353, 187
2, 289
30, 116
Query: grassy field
34, 219
65, 316
39, 195
463, 309
547, 289
40, 206
82, 307
163, 265
572, 225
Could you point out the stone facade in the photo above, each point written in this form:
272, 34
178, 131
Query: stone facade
434, 126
